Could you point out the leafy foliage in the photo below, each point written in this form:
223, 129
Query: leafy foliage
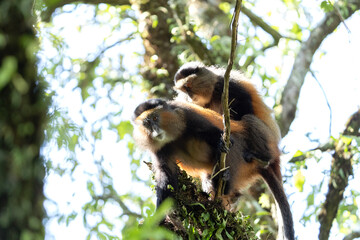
197, 217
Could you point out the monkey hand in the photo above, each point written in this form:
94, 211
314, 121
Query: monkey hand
222, 146
249, 157
226, 174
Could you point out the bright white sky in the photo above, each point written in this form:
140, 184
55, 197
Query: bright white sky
337, 71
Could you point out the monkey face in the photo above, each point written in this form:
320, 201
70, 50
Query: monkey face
185, 77
148, 128
196, 82
152, 126
185, 85
156, 124
191, 90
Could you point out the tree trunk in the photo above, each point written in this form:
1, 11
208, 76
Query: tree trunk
22, 116
159, 54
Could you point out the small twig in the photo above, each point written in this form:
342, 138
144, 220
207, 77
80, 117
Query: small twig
326, 99
337, 11
218, 172
128, 38
125, 209
323, 148
225, 95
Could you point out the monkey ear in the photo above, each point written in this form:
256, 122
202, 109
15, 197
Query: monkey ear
155, 102
147, 105
180, 84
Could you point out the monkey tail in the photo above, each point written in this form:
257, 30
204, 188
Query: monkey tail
286, 225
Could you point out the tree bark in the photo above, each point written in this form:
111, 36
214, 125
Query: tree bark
159, 54
290, 95
51, 6
352, 235
22, 116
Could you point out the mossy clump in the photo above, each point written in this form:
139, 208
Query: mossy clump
197, 217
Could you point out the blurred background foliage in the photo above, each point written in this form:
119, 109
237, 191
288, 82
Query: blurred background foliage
23, 108
102, 58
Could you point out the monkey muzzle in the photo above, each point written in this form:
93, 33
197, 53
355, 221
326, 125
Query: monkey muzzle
154, 131
184, 85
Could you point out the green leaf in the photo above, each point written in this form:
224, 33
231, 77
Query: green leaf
263, 213
155, 20
296, 29
228, 235
264, 200
90, 188
205, 216
346, 140
310, 199
150, 228
198, 204
71, 217
73, 142
218, 233
298, 154
326, 6
101, 236
7, 70
125, 127
225, 7
214, 38
299, 180
205, 233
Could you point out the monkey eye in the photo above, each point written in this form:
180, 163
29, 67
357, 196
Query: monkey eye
155, 118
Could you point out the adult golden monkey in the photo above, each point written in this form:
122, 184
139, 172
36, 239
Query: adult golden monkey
203, 85
184, 134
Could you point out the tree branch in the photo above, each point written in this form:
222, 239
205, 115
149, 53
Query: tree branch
51, 6
261, 23
323, 148
302, 63
352, 235
341, 169
225, 94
